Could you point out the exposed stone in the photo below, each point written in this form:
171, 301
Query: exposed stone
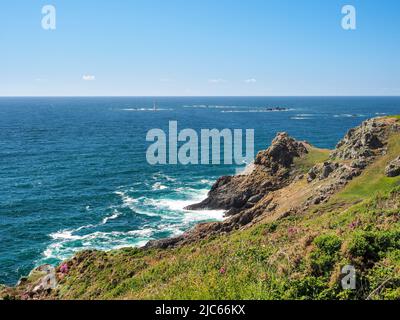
365, 141
393, 169
258, 193
312, 174
48, 280
22, 281
321, 171
281, 152
271, 171
360, 163
327, 169
255, 199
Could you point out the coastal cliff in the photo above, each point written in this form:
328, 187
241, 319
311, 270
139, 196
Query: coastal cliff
294, 219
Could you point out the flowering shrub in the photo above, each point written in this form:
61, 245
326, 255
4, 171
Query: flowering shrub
64, 268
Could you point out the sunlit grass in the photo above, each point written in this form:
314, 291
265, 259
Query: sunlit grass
313, 157
373, 179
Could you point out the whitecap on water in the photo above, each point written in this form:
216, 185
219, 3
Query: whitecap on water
145, 109
126, 200
163, 176
68, 244
207, 182
174, 220
114, 216
299, 118
179, 205
345, 115
203, 215
261, 110
159, 186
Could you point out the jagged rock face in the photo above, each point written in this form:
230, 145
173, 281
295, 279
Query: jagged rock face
393, 169
339, 175
362, 142
322, 172
361, 145
281, 153
254, 195
272, 171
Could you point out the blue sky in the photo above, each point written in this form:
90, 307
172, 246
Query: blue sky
199, 47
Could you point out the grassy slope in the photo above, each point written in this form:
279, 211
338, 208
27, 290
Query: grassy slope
373, 179
314, 156
299, 257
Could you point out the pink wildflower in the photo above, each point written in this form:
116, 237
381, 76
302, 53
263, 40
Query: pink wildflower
292, 231
64, 268
354, 224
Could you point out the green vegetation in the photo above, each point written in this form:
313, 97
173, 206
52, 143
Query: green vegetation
296, 258
394, 117
373, 179
325, 254
309, 160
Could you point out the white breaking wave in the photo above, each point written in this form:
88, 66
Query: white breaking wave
213, 107
174, 220
255, 111
64, 235
345, 115
146, 109
207, 181
305, 115
68, 244
203, 215
299, 118
127, 200
159, 175
179, 205
112, 217
159, 186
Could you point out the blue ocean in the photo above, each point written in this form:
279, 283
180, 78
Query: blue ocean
74, 175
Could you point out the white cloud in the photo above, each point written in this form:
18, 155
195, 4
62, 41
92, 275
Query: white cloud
252, 80
88, 77
217, 81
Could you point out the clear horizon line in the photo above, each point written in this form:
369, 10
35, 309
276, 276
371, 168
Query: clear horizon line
200, 96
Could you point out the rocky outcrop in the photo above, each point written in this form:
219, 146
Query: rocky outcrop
281, 153
352, 155
393, 169
245, 197
249, 196
337, 175
38, 285
364, 142
321, 171
272, 170
205, 230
